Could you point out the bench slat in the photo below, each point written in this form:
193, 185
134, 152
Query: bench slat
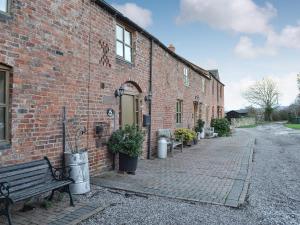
22, 166
39, 189
22, 171
11, 179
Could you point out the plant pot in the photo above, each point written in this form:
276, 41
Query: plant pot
127, 163
79, 164
188, 143
195, 141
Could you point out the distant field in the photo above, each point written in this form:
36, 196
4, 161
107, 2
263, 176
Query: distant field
248, 126
293, 126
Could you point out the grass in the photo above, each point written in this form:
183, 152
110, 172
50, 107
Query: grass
293, 126
248, 126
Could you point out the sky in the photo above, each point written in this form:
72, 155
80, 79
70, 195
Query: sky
246, 40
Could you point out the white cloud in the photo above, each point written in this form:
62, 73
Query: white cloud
141, 16
246, 49
242, 16
287, 86
289, 37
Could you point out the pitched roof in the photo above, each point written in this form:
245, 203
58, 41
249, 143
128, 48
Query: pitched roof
125, 19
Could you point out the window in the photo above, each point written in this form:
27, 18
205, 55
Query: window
221, 89
124, 43
179, 111
4, 102
4, 5
213, 87
186, 77
213, 112
203, 85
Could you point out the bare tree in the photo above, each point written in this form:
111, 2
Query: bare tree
264, 94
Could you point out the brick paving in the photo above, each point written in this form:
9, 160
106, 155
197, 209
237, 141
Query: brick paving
214, 171
60, 213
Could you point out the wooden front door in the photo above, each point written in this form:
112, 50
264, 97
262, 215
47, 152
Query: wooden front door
195, 114
129, 110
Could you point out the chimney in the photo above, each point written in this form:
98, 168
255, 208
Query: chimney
172, 48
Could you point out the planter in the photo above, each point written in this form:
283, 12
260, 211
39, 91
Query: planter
188, 143
195, 141
127, 163
79, 164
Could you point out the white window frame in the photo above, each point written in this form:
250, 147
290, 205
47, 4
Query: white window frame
8, 2
203, 85
124, 44
179, 111
186, 77
5, 104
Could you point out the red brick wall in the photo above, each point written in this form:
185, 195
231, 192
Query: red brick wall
55, 50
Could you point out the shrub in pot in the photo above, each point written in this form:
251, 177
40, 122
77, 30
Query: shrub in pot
128, 142
186, 134
221, 126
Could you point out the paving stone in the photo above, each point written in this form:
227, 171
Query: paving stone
213, 171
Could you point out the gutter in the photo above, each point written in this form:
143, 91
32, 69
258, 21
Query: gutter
150, 102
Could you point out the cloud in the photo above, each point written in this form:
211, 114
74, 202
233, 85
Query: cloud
141, 16
289, 37
287, 86
246, 49
242, 16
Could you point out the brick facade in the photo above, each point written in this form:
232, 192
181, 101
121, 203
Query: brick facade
63, 53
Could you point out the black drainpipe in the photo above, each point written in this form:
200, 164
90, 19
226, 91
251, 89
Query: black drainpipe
150, 102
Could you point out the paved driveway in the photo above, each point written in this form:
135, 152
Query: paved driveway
214, 171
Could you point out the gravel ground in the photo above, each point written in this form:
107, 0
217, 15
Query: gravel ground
273, 196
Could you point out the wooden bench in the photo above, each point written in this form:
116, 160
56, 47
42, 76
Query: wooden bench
23, 181
172, 141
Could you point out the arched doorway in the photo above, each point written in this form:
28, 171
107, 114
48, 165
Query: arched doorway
130, 105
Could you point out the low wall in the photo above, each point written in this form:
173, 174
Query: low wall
240, 122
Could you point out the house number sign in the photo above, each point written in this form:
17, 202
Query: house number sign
110, 112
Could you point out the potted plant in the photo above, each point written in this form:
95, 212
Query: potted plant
187, 135
199, 129
128, 142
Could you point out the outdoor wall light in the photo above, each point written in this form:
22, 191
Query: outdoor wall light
119, 92
148, 97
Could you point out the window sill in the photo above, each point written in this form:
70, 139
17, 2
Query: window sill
5, 16
4, 145
179, 125
122, 60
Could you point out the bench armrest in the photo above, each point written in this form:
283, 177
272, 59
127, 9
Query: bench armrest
62, 173
4, 189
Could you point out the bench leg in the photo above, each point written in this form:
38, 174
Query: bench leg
70, 195
51, 196
7, 211
182, 147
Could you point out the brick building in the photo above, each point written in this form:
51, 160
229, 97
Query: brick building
80, 54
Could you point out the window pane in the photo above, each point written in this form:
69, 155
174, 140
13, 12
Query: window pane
120, 49
3, 5
2, 86
119, 32
127, 53
2, 123
127, 38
